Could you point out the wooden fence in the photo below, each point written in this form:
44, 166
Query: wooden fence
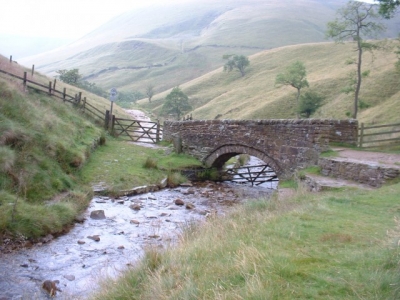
256, 175
135, 130
50, 89
378, 135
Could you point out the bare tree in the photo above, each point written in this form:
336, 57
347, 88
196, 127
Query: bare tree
294, 76
355, 23
150, 91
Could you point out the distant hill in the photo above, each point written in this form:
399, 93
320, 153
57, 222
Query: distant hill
221, 95
167, 45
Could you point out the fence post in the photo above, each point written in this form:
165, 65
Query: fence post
33, 69
106, 119
79, 97
24, 78
64, 93
10, 58
54, 84
84, 103
361, 135
158, 132
50, 85
112, 124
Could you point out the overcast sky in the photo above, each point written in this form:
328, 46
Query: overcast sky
63, 18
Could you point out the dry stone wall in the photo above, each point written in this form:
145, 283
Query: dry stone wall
372, 174
284, 144
344, 132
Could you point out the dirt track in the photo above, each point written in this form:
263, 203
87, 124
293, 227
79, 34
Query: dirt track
389, 159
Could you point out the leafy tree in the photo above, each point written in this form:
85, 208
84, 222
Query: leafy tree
124, 99
397, 64
309, 103
176, 102
92, 87
69, 76
294, 76
354, 23
150, 91
387, 8
239, 62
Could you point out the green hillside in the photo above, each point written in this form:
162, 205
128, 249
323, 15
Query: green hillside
43, 143
229, 96
169, 44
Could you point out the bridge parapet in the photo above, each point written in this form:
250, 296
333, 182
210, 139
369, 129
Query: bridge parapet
285, 145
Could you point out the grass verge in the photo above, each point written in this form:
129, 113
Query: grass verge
332, 245
122, 165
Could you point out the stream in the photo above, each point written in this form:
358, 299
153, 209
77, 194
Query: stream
98, 248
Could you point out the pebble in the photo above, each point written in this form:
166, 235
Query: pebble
95, 238
179, 202
69, 277
134, 206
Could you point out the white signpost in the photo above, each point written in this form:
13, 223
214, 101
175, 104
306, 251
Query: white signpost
113, 97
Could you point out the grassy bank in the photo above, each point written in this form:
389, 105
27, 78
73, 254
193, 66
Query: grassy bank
43, 142
122, 165
333, 245
48, 162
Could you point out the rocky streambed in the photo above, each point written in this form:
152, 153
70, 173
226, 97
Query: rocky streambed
113, 237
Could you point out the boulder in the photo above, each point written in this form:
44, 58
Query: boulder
97, 214
179, 202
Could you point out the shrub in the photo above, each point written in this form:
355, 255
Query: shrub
150, 163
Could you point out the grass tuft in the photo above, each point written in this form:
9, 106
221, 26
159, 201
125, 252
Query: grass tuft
150, 163
301, 247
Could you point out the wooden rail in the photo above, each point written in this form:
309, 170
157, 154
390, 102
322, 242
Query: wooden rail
51, 90
373, 136
256, 175
137, 130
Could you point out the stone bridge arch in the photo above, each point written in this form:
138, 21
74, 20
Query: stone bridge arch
219, 156
286, 145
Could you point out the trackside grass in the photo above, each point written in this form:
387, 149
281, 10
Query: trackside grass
332, 245
120, 165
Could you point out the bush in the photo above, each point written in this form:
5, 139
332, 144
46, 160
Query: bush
150, 163
175, 178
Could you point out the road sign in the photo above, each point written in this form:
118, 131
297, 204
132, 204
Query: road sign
113, 94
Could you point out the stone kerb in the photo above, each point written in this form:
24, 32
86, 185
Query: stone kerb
344, 132
287, 144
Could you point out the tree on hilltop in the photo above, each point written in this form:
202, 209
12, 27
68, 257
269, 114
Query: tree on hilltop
387, 8
309, 103
69, 76
355, 23
294, 76
150, 91
239, 62
177, 103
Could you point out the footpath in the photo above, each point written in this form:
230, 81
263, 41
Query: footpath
355, 168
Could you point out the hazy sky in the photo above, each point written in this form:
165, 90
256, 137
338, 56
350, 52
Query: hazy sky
63, 18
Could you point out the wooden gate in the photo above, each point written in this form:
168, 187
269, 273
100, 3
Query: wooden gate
256, 175
137, 130
378, 135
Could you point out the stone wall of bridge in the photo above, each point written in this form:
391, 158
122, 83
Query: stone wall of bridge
286, 145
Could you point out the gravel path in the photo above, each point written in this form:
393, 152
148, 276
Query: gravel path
387, 159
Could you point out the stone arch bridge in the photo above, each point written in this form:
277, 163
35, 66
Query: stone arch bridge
285, 145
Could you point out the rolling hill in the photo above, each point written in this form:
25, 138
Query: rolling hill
167, 45
229, 96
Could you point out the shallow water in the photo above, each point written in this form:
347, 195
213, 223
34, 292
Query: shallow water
123, 235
